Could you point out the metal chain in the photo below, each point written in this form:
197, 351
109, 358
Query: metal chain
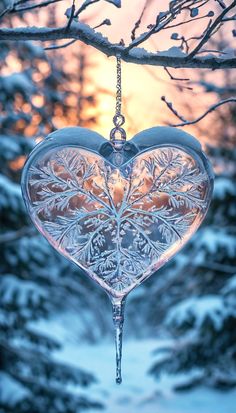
118, 134
118, 86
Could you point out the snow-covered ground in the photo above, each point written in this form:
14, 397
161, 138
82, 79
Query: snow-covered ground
139, 391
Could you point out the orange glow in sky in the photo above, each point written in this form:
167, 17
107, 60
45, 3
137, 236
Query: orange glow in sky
142, 86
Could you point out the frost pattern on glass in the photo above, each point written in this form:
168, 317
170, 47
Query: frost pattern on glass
120, 224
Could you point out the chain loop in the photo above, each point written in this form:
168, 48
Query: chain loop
118, 135
119, 120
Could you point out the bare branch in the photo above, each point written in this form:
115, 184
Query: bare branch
106, 22
55, 46
173, 110
175, 78
60, 46
84, 7
211, 29
138, 22
84, 33
164, 18
221, 3
186, 22
161, 80
174, 57
185, 122
16, 9
71, 17
161, 21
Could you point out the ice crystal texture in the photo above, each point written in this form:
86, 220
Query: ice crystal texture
120, 224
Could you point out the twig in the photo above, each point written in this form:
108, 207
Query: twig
185, 22
194, 121
210, 30
138, 22
54, 47
175, 78
72, 14
84, 7
157, 27
105, 22
221, 3
159, 79
163, 19
173, 110
23, 9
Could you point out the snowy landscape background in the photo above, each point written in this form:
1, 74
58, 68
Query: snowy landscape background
56, 348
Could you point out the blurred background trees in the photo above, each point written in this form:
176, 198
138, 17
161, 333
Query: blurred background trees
202, 315
36, 93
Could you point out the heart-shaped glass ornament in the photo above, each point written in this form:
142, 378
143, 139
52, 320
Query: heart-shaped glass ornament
118, 213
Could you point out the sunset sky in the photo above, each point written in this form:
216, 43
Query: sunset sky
142, 86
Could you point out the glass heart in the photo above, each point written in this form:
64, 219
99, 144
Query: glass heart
118, 223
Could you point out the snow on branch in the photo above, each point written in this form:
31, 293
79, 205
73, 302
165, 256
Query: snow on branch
175, 57
87, 35
185, 122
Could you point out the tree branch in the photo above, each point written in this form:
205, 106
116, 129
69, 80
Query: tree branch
87, 35
71, 17
84, 7
16, 9
185, 122
211, 29
60, 46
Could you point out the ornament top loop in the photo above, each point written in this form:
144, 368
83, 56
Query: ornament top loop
118, 134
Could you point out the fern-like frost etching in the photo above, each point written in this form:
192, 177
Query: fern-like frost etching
119, 224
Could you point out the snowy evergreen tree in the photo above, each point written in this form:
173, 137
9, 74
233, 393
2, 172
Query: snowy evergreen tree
35, 282
202, 316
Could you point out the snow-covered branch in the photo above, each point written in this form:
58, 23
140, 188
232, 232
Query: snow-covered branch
80, 31
185, 122
180, 56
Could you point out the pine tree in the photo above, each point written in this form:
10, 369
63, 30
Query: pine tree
35, 282
202, 314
